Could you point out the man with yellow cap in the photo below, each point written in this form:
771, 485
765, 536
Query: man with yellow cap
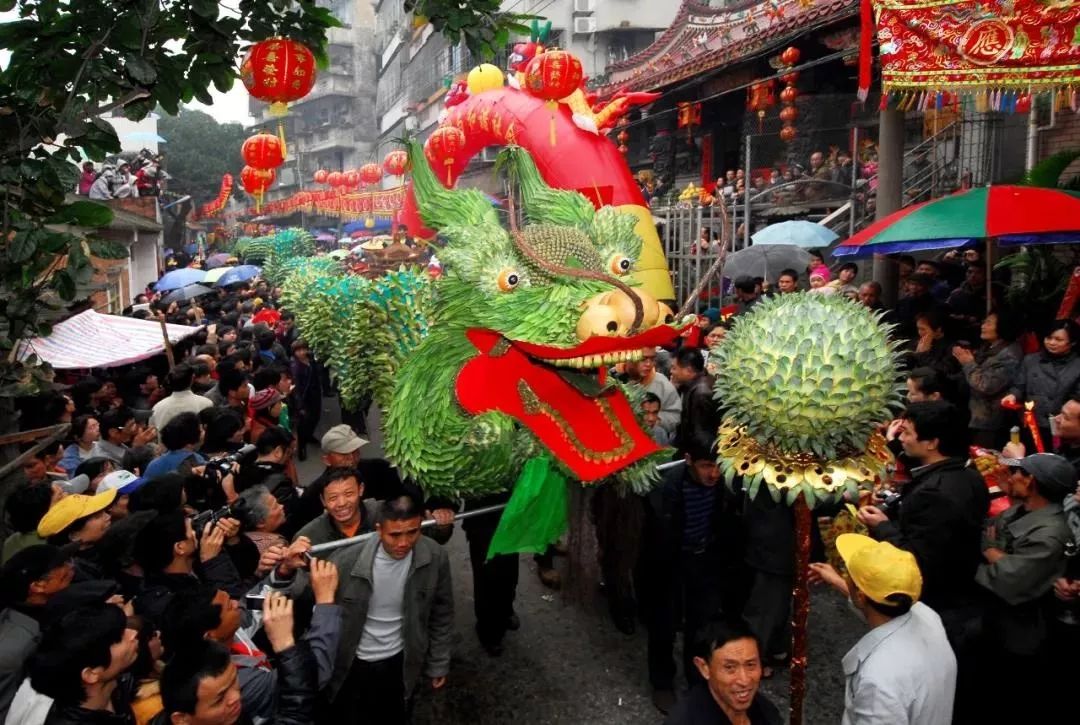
903, 670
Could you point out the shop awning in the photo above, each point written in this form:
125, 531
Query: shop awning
93, 340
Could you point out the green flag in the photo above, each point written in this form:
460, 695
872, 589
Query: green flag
536, 513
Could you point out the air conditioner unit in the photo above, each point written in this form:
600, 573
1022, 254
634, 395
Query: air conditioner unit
584, 6
584, 26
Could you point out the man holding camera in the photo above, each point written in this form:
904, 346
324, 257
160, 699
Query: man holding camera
938, 518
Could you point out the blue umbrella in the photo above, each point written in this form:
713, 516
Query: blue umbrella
238, 274
804, 234
179, 278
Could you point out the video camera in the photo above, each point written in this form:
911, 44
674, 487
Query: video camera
888, 501
218, 468
238, 510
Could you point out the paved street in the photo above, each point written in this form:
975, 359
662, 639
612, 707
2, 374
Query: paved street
569, 666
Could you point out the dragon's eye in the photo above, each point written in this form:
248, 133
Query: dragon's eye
620, 264
508, 279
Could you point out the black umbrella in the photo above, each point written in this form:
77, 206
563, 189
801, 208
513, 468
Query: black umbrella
188, 293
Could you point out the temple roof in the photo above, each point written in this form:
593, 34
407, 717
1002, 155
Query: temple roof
703, 38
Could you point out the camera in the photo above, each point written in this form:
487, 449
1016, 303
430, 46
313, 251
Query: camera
888, 501
218, 468
236, 510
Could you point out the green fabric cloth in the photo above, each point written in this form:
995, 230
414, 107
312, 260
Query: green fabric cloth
536, 514
283, 418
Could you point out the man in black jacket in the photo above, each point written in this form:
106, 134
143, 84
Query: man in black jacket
200, 685
81, 664
700, 414
939, 519
691, 545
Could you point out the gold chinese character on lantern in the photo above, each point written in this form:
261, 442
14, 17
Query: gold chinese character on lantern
271, 57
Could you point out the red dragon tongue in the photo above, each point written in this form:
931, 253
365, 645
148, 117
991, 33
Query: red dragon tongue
593, 436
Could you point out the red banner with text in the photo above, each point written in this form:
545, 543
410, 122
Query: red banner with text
978, 46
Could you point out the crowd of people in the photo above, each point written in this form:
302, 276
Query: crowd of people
160, 566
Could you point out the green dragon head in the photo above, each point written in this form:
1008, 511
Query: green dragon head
537, 316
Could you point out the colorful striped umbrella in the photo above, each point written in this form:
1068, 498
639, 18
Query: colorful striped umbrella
1008, 214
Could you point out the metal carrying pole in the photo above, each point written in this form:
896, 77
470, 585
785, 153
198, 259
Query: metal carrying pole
361, 538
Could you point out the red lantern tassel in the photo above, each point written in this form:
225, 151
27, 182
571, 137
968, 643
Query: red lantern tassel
449, 163
281, 135
553, 106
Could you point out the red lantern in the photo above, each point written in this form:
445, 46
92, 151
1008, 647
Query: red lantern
277, 71
257, 181
553, 75
790, 79
787, 134
762, 96
442, 147
789, 114
320, 176
623, 148
263, 151
623, 137
789, 94
335, 179
352, 179
396, 162
371, 173
790, 56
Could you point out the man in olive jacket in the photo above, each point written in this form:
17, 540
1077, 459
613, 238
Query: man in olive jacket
397, 625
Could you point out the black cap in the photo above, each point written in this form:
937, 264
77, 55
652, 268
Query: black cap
28, 566
83, 594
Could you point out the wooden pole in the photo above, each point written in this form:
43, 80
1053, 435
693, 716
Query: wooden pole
51, 434
800, 610
168, 343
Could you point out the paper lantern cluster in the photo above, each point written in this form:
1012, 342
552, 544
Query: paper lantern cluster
262, 153
789, 113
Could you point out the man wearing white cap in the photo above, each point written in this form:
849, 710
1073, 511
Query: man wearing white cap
125, 483
903, 670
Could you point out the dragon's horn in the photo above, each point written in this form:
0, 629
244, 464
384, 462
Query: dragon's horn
441, 207
542, 204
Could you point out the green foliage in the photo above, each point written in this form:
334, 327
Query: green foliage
481, 24
71, 64
808, 373
1048, 172
283, 243
200, 151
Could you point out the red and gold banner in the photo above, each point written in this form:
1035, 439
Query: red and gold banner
211, 208
994, 47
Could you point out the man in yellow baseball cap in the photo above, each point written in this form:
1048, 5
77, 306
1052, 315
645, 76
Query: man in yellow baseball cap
78, 518
903, 670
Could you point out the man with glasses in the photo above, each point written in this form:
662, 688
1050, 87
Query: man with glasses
645, 374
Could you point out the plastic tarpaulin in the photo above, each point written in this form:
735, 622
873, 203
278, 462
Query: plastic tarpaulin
92, 340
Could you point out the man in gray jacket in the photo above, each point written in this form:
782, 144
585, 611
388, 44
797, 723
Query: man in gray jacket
28, 581
1024, 549
397, 597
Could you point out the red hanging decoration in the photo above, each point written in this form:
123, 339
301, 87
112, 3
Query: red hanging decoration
371, 173
263, 151
789, 94
335, 179
257, 182
442, 147
788, 134
396, 162
278, 71
320, 176
790, 56
352, 179
552, 76
789, 114
761, 97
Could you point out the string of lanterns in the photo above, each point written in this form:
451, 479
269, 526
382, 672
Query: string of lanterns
789, 113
